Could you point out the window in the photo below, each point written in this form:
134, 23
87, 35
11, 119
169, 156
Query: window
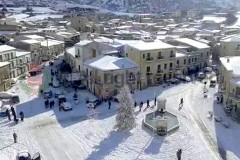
148, 69
165, 66
79, 68
87, 71
126, 54
0, 57
170, 65
195, 59
172, 53
159, 55
177, 62
201, 54
185, 61
189, 60
90, 74
159, 67
237, 91
148, 55
208, 53
78, 52
143, 55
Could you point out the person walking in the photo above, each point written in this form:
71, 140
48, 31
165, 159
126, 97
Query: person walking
13, 111
8, 114
109, 104
135, 104
15, 137
155, 101
21, 116
179, 154
46, 103
148, 104
53, 103
140, 106
181, 102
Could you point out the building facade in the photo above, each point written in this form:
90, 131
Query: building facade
4, 76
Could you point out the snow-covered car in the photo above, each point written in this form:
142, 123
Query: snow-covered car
56, 58
13, 80
213, 82
218, 119
208, 69
201, 75
173, 81
57, 93
183, 78
95, 103
25, 155
66, 106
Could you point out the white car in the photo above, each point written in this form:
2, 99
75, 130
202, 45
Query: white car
25, 155
56, 58
66, 106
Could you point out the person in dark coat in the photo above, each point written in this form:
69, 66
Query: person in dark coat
13, 111
148, 104
109, 104
53, 103
155, 101
140, 106
15, 137
15, 118
46, 103
181, 102
8, 114
50, 104
22, 116
135, 104
179, 154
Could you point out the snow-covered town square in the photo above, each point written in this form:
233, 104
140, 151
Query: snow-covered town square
85, 133
120, 80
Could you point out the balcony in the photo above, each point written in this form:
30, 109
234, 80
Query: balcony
171, 69
159, 72
234, 97
148, 73
178, 66
160, 57
149, 59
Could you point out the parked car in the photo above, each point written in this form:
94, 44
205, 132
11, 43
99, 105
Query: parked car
173, 81
25, 155
208, 69
47, 94
66, 106
95, 103
57, 93
183, 78
61, 99
56, 58
12, 98
213, 82
201, 75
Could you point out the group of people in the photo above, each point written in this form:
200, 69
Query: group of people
148, 104
14, 115
50, 104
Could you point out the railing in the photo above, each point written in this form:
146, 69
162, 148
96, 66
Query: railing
160, 57
148, 73
148, 59
159, 71
234, 97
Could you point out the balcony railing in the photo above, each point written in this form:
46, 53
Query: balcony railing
234, 97
160, 57
148, 73
148, 59
178, 66
159, 71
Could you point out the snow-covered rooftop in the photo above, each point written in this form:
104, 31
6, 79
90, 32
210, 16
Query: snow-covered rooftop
30, 41
145, 46
20, 53
51, 42
84, 42
4, 64
34, 36
214, 18
4, 48
193, 43
231, 64
232, 38
71, 51
106, 63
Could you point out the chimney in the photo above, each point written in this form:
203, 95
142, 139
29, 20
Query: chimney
228, 60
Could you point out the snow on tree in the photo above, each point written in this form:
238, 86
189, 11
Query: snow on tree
125, 118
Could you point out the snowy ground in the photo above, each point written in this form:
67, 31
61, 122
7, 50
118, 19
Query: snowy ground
75, 135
